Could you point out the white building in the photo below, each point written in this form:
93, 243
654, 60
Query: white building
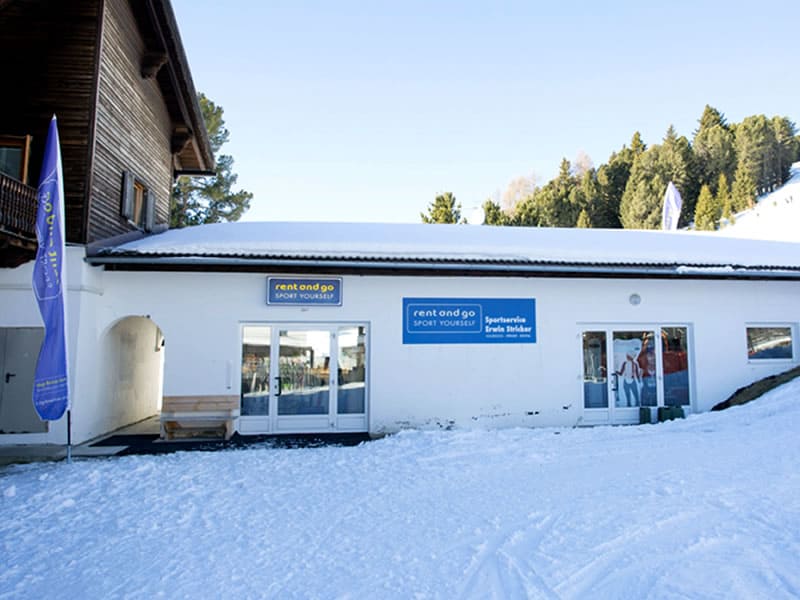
306, 327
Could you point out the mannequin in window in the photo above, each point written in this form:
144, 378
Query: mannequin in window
631, 379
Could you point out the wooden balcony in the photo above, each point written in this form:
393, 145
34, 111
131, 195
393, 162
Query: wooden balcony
17, 222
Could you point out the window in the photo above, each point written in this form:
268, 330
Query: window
139, 194
764, 343
14, 153
138, 202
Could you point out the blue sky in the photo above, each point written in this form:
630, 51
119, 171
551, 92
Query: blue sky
365, 111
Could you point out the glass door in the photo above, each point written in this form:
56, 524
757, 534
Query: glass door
595, 370
633, 379
303, 378
626, 369
256, 374
302, 381
351, 388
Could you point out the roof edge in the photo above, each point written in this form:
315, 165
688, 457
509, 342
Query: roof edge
213, 264
182, 78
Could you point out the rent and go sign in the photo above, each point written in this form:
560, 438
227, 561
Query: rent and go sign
291, 290
469, 321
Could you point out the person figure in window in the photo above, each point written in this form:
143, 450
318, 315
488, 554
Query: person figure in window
647, 363
631, 379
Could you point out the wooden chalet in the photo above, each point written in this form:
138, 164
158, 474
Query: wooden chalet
115, 74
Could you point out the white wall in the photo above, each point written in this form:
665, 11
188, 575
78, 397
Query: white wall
95, 409
483, 385
19, 309
475, 385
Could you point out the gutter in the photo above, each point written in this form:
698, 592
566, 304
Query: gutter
183, 263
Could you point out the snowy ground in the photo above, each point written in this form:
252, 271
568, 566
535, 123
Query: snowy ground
708, 507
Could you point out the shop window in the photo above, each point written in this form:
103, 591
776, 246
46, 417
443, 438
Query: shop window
675, 365
595, 370
769, 343
14, 154
255, 370
138, 202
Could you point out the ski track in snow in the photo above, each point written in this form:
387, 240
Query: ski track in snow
707, 507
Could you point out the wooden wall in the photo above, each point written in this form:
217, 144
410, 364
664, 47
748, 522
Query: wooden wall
133, 126
48, 57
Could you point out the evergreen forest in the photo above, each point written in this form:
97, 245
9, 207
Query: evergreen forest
718, 173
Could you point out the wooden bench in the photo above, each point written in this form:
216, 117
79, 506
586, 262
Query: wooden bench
198, 416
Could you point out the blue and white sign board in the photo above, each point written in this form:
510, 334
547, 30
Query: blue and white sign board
294, 291
469, 321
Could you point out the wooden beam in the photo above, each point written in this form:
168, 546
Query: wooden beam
152, 63
180, 137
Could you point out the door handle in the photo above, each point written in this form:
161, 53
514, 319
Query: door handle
279, 380
614, 382
9, 376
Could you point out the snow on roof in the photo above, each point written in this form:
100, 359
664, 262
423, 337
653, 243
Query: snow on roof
453, 243
776, 216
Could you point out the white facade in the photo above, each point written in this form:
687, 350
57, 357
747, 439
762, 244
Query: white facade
106, 362
120, 369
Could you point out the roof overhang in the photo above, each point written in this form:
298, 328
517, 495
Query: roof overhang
446, 268
165, 60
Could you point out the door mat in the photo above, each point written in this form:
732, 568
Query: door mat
152, 444
127, 440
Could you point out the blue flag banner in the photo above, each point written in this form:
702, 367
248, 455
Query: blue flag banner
50, 386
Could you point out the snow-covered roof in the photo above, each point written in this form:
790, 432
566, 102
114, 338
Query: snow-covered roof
368, 245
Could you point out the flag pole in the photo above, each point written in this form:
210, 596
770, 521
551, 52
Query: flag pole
69, 436
50, 396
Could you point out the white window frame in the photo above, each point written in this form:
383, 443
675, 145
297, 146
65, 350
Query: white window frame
792, 327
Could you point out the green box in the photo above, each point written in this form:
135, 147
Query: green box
668, 413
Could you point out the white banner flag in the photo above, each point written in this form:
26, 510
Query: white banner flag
672, 208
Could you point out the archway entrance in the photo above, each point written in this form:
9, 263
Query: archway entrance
135, 371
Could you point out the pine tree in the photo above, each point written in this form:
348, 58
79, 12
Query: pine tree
198, 201
724, 197
743, 191
787, 147
677, 165
583, 220
642, 200
714, 148
591, 200
611, 180
493, 214
757, 152
637, 145
708, 211
527, 212
443, 209
559, 201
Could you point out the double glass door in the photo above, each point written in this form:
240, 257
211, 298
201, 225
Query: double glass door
303, 378
626, 368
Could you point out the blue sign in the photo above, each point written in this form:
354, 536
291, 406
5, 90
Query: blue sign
293, 291
469, 321
50, 388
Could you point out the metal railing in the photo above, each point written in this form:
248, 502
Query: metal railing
17, 207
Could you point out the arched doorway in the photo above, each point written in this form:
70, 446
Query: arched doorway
134, 370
